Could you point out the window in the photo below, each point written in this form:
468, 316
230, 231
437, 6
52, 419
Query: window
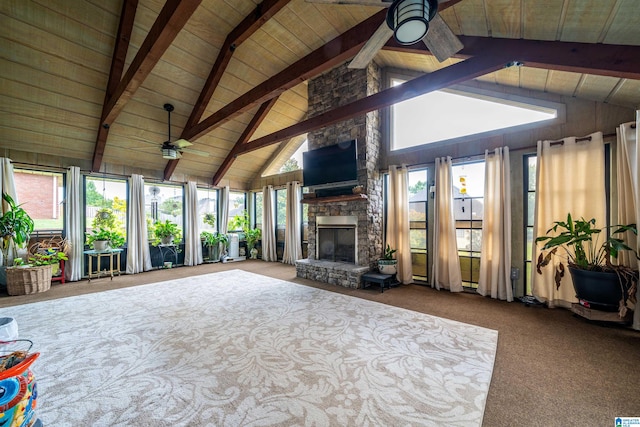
237, 207
259, 206
530, 166
41, 195
305, 230
295, 161
106, 204
468, 207
164, 203
427, 118
418, 197
281, 220
208, 209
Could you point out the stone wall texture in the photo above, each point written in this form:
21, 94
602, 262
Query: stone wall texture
335, 88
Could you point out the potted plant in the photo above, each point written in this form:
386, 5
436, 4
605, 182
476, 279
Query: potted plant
16, 227
50, 257
166, 231
252, 236
102, 239
387, 264
213, 242
598, 283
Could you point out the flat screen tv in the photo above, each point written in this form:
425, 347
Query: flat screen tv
331, 166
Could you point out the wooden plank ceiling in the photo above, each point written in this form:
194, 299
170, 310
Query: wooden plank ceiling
236, 72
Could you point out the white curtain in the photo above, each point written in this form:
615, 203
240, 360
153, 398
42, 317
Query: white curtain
570, 179
268, 224
292, 239
73, 224
192, 243
495, 261
446, 272
8, 186
138, 255
628, 162
224, 210
397, 235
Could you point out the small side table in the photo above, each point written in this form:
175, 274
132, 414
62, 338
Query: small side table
171, 250
98, 255
383, 280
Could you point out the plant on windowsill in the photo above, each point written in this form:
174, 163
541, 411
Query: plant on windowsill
598, 283
165, 232
102, 239
387, 264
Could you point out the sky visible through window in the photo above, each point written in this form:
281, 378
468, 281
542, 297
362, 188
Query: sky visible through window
440, 115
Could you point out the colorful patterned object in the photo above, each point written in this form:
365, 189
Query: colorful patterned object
18, 394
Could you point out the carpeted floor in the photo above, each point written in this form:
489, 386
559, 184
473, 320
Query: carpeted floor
552, 368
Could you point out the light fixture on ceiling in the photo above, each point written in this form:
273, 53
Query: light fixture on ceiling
409, 19
169, 151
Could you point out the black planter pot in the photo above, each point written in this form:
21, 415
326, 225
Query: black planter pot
601, 291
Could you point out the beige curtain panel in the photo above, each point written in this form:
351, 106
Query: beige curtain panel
138, 255
628, 186
570, 179
268, 225
397, 235
446, 264
292, 240
192, 245
495, 263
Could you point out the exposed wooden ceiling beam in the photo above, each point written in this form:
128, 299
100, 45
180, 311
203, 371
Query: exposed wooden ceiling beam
253, 125
173, 16
324, 58
249, 25
620, 61
125, 27
453, 74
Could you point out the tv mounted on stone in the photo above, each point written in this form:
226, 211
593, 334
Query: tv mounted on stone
331, 170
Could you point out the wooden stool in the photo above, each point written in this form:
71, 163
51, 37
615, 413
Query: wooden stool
383, 280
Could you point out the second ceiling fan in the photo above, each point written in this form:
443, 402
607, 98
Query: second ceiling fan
409, 21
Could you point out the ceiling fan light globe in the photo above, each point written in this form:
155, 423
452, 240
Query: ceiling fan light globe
169, 153
409, 19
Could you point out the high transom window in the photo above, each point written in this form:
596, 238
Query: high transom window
451, 114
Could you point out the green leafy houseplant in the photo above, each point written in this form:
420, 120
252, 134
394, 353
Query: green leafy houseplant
586, 249
213, 242
115, 238
16, 227
388, 253
166, 231
252, 236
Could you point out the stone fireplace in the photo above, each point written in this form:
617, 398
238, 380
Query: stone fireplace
352, 224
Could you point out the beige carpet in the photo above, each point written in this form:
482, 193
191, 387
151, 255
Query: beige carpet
236, 348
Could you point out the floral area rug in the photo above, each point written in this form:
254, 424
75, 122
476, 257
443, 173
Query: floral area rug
238, 349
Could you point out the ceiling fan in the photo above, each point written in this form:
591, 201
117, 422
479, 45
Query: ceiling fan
172, 150
409, 21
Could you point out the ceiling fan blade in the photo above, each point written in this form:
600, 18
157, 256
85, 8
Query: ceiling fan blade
381, 3
196, 152
181, 143
440, 40
371, 47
